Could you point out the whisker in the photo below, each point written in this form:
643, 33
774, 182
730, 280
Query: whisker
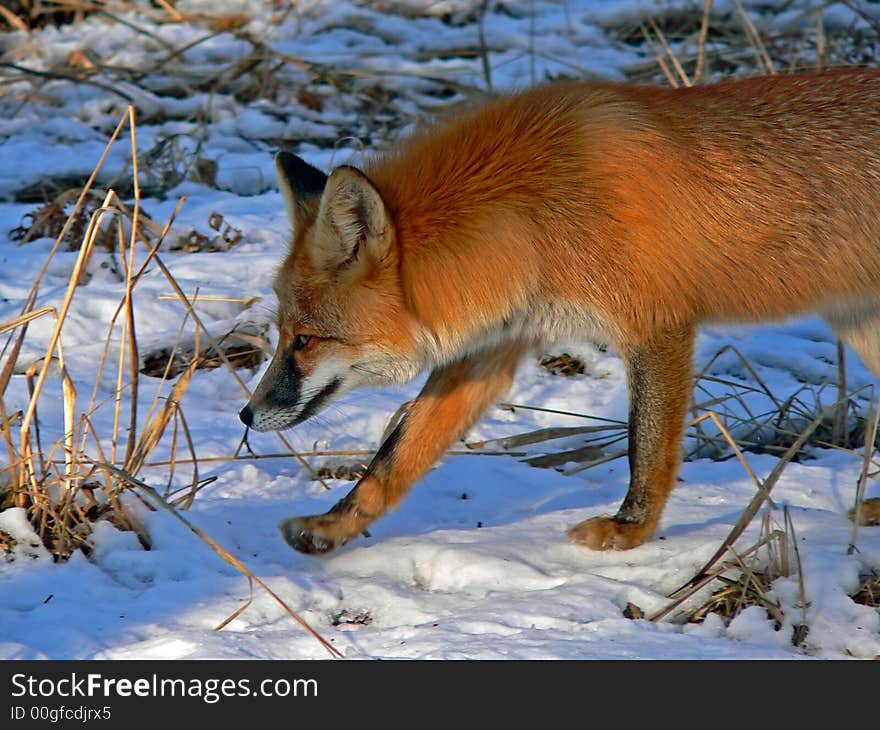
269, 309
360, 367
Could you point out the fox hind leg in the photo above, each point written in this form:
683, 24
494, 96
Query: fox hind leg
659, 374
859, 327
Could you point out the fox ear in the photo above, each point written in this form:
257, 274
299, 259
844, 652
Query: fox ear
301, 185
353, 219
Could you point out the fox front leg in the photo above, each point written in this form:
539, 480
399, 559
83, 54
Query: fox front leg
452, 399
659, 374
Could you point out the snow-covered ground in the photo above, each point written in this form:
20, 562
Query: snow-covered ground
475, 563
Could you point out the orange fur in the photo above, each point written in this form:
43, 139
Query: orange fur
576, 209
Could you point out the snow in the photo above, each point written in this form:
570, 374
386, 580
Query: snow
474, 563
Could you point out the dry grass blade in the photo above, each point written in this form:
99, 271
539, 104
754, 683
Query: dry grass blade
171, 11
25, 318
130, 282
153, 432
240, 610
69, 395
484, 48
769, 538
84, 252
701, 42
11, 18
522, 406
69, 392
316, 454
596, 462
672, 57
747, 365
731, 442
591, 451
11, 492
184, 501
128, 261
197, 483
870, 440
166, 374
156, 500
670, 77
753, 587
774, 430
540, 435
583, 454
820, 41
759, 499
9, 367
841, 414
800, 630
244, 301
755, 39
77, 207
737, 595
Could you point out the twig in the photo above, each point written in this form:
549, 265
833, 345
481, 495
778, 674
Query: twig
675, 63
137, 29
755, 38
541, 435
789, 530
701, 42
747, 365
595, 462
58, 76
522, 406
12, 18
840, 417
658, 57
484, 49
870, 440
731, 442
171, 11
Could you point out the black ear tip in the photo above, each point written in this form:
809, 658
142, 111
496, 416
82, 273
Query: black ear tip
289, 163
286, 157
302, 177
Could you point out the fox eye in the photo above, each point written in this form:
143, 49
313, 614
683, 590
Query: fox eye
300, 341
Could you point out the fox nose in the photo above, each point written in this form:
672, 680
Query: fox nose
247, 416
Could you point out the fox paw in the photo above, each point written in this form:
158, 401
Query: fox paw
610, 533
308, 535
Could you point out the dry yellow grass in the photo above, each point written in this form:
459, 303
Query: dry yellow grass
66, 486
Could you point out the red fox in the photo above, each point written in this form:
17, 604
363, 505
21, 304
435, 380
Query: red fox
629, 214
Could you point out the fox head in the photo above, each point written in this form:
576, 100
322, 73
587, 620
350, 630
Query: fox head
342, 317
